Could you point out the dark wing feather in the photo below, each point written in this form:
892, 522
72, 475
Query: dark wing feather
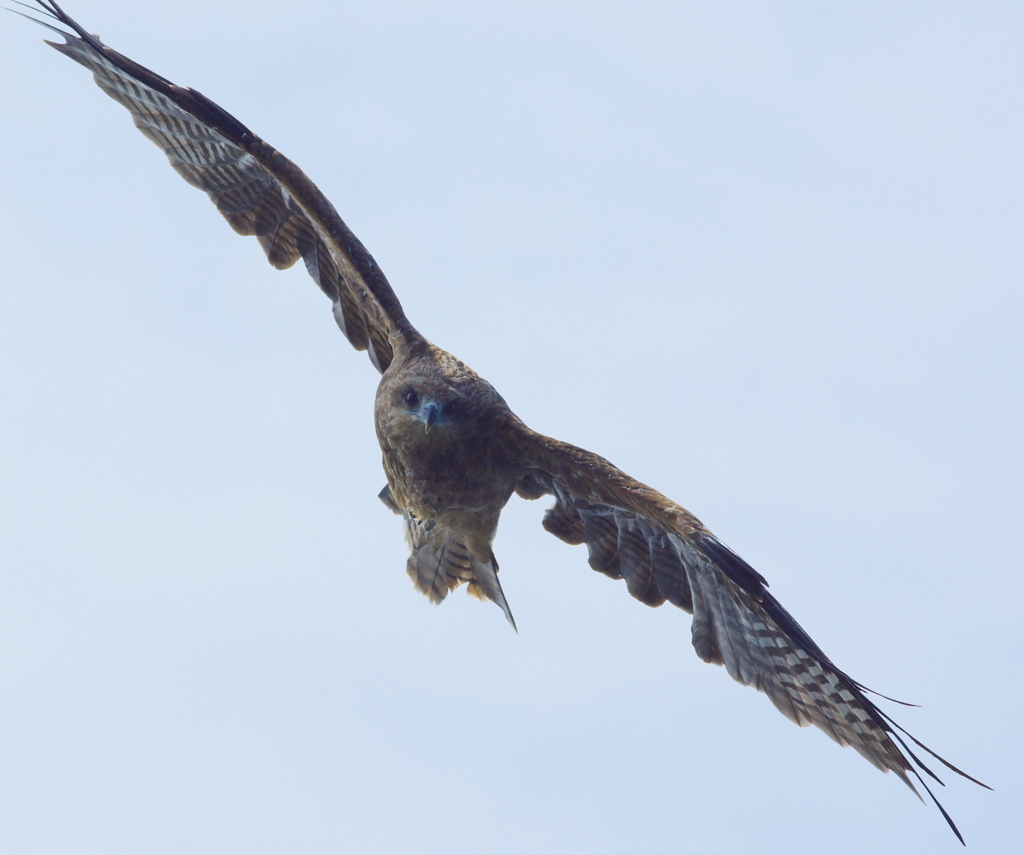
663, 552
257, 189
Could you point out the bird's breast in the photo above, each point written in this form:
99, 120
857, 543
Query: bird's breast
438, 477
447, 470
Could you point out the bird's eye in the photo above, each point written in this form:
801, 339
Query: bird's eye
452, 408
412, 398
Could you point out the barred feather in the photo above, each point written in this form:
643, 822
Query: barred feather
439, 562
665, 553
248, 182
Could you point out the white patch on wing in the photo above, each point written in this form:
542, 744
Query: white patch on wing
373, 356
339, 316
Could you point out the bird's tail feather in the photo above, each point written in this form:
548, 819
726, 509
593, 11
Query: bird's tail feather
439, 563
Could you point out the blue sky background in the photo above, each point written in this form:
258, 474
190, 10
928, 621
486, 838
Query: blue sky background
763, 256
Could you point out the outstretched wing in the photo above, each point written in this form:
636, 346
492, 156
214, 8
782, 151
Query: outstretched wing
258, 190
663, 552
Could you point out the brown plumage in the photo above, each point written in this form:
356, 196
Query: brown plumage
454, 453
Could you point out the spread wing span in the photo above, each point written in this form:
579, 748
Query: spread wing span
664, 553
258, 190
633, 533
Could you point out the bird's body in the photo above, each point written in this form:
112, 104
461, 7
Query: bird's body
454, 453
445, 434
443, 466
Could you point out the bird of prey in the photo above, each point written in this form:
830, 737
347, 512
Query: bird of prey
454, 452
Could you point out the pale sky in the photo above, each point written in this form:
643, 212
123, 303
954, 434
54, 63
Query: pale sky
766, 257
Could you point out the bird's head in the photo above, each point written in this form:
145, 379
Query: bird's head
435, 400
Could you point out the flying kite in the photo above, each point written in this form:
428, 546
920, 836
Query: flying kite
454, 453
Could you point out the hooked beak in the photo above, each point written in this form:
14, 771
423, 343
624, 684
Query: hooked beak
430, 413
